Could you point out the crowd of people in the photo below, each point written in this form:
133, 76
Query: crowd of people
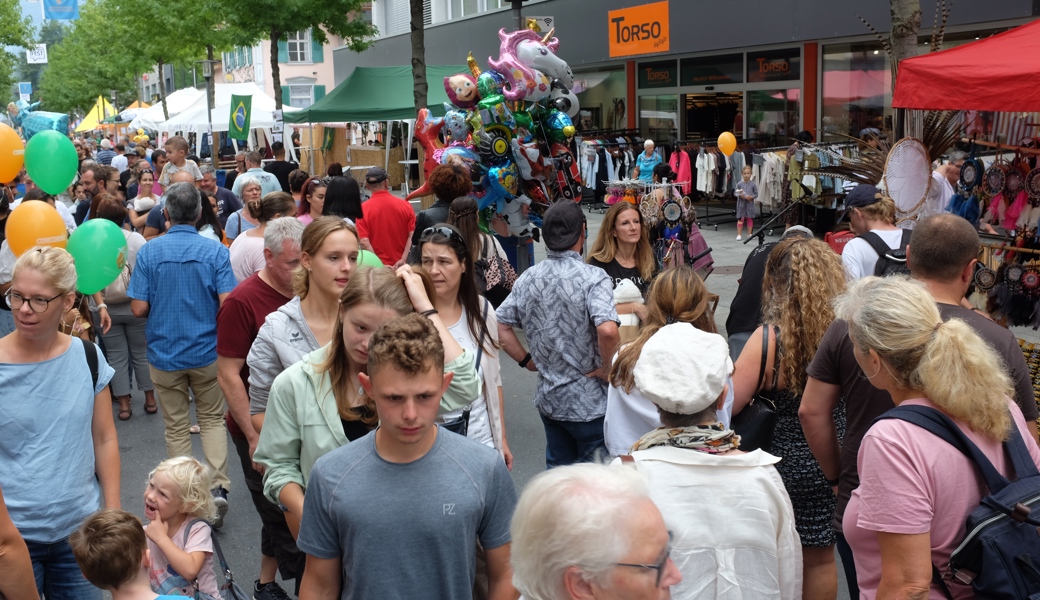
365, 403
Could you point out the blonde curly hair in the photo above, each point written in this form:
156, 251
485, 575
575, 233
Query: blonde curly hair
802, 279
194, 481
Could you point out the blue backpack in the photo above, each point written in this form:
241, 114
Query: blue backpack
1000, 554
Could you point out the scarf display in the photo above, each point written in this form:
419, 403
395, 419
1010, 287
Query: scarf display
712, 439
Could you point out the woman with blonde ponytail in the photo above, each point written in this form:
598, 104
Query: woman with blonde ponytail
676, 296
916, 490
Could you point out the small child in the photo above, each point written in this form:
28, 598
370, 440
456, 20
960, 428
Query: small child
111, 551
178, 492
177, 152
746, 191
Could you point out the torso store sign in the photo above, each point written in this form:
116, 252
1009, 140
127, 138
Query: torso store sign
638, 30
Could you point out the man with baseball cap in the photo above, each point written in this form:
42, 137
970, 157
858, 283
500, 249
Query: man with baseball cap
726, 508
388, 222
566, 307
872, 215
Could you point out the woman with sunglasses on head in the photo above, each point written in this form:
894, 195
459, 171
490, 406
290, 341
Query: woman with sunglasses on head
447, 182
312, 200
328, 256
59, 457
317, 404
470, 318
342, 198
247, 251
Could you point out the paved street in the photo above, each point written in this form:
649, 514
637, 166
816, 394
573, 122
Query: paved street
142, 447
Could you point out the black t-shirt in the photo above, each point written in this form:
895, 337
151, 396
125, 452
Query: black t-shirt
354, 429
437, 213
281, 170
1005, 344
617, 273
745, 312
835, 364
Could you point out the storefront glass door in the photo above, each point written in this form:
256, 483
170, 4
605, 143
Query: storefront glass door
772, 115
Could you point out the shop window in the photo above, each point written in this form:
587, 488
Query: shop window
857, 89
659, 117
601, 96
773, 115
299, 43
301, 96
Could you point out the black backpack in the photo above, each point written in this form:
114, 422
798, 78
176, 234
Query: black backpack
890, 261
1000, 554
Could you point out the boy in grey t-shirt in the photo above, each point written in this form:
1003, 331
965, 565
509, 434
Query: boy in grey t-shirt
398, 513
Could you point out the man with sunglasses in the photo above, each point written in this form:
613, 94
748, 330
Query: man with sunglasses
609, 540
728, 508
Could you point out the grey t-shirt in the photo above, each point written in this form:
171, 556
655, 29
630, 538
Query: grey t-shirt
406, 531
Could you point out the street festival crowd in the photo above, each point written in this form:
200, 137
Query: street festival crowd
351, 351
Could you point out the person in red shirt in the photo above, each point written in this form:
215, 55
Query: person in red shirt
238, 323
388, 222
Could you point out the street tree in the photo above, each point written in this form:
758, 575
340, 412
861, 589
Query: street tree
420, 87
273, 19
14, 31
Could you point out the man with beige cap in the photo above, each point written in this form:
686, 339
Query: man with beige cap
731, 518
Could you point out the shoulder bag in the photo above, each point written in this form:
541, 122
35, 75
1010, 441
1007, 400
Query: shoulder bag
756, 423
230, 590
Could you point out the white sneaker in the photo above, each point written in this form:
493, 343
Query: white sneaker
738, 238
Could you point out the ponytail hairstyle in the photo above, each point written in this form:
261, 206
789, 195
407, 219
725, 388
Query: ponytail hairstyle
803, 277
676, 296
948, 363
272, 206
662, 171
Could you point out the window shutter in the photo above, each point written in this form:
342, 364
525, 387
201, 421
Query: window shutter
317, 52
283, 51
285, 95
249, 56
319, 92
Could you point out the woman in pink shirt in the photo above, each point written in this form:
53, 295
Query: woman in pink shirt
312, 200
916, 491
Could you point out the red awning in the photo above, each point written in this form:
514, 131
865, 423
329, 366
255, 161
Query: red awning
994, 74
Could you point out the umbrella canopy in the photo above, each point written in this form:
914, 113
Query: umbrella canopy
994, 74
101, 109
377, 94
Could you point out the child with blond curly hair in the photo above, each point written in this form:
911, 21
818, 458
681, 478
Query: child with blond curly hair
178, 504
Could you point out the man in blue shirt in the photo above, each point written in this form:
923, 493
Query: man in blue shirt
268, 182
179, 282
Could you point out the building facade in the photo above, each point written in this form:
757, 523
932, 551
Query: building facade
683, 70
305, 74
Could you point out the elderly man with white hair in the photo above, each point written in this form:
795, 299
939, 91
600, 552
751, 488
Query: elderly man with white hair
734, 526
588, 531
645, 162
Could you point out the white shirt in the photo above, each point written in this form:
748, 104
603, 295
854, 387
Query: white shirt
732, 522
860, 258
120, 162
484, 420
939, 194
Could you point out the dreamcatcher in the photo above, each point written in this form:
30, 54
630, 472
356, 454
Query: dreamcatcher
907, 179
671, 217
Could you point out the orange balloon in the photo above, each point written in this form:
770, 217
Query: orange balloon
727, 143
35, 223
12, 154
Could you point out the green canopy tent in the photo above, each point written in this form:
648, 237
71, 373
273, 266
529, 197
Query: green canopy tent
379, 94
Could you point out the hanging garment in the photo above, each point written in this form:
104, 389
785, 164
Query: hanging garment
680, 164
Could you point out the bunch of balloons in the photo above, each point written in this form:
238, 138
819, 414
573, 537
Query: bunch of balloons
511, 125
50, 159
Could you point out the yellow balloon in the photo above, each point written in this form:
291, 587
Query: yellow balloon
12, 154
35, 224
727, 143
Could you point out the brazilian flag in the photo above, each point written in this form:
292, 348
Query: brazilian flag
238, 122
328, 137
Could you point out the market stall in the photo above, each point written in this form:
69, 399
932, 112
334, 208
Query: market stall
176, 102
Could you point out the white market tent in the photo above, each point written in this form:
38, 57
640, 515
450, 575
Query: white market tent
193, 119
176, 102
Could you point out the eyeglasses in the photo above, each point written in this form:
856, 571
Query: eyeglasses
37, 305
447, 232
659, 567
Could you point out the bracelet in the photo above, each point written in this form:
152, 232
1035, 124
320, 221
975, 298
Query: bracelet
102, 305
527, 359
427, 313
832, 482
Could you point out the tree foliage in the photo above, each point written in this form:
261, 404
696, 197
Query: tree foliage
87, 64
14, 31
51, 33
254, 20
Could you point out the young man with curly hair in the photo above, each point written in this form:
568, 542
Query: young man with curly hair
398, 513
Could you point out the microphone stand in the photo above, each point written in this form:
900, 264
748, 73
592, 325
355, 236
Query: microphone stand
761, 233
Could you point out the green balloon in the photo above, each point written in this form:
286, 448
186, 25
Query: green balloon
369, 259
51, 160
99, 248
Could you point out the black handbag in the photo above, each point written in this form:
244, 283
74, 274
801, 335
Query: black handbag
756, 423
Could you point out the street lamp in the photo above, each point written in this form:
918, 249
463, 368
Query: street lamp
207, 74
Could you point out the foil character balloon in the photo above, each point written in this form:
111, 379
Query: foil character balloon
524, 81
533, 163
565, 101
462, 90
456, 127
490, 83
31, 121
540, 54
517, 219
427, 132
